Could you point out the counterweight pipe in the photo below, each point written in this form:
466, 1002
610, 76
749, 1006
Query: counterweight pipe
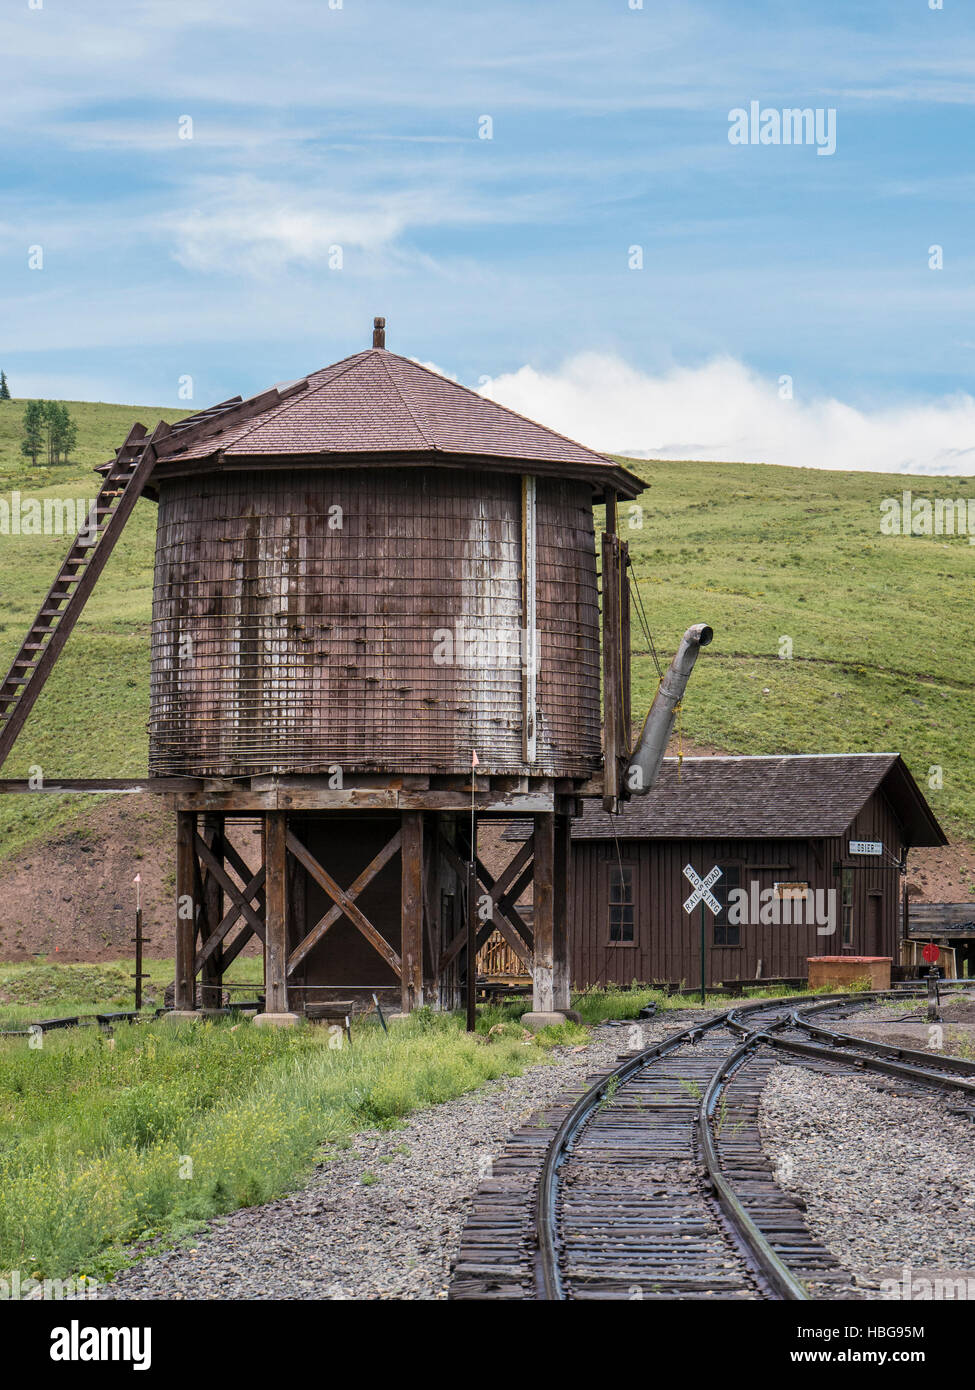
651, 746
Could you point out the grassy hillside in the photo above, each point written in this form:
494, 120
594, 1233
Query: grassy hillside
91, 717
878, 624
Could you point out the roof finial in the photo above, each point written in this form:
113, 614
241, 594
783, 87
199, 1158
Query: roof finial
379, 333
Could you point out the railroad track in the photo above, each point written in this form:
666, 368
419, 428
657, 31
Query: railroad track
653, 1183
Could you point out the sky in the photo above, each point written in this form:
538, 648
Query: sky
541, 198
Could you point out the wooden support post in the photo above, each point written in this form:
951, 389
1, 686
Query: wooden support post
186, 912
276, 915
543, 925
611, 511
449, 922
211, 977
431, 909
613, 733
411, 914
298, 923
561, 909
626, 716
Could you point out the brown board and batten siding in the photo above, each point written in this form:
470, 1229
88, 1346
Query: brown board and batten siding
830, 801
666, 939
284, 642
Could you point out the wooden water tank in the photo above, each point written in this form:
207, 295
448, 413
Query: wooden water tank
283, 643
340, 583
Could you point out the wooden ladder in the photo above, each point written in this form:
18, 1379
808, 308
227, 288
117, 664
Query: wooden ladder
76, 578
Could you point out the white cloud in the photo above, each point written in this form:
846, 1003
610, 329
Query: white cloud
260, 237
726, 412
251, 226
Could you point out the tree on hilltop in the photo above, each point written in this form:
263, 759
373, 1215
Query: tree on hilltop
33, 440
62, 432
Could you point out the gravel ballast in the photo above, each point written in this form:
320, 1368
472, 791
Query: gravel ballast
887, 1179
383, 1218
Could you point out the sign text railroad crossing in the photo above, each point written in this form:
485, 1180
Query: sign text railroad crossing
702, 889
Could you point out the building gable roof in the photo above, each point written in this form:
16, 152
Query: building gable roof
787, 797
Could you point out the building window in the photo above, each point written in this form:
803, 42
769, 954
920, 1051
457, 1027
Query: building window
621, 902
847, 881
726, 933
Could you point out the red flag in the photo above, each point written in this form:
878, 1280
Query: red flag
475, 760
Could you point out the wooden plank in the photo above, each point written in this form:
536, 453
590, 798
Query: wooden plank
186, 911
625, 483
509, 906
504, 893
345, 902
411, 913
612, 518
431, 909
276, 915
626, 717
337, 910
229, 887
211, 969
529, 582
543, 988
231, 952
242, 870
612, 685
97, 786
315, 798
218, 934
561, 893
505, 918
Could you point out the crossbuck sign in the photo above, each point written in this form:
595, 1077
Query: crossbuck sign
702, 889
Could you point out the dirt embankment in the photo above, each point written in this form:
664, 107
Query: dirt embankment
72, 893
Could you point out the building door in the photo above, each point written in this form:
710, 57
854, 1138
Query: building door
875, 924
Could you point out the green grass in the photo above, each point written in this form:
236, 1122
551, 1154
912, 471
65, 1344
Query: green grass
877, 623
48, 989
105, 1141
90, 719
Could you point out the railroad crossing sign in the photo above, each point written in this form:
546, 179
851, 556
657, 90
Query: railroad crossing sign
702, 894
930, 953
702, 889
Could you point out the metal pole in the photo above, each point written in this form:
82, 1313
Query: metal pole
471, 948
139, 940
934, 1012
138, 958
703, 954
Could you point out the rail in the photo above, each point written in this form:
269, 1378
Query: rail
944, 1072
